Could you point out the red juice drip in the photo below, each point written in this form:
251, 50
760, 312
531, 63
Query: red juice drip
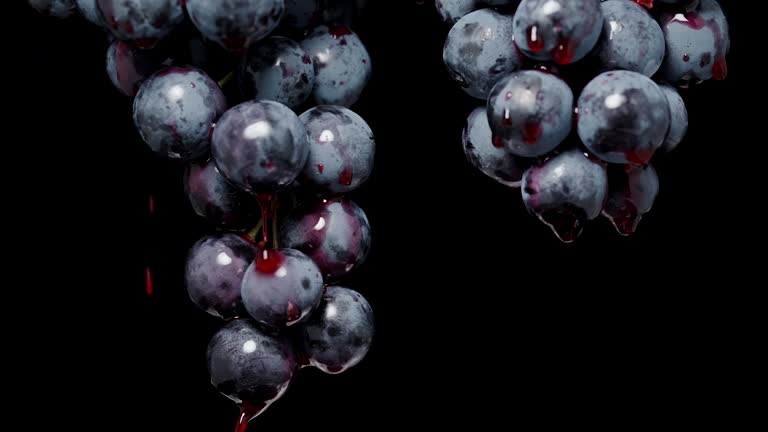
563, 52
151, 205
269, 261
690, 19
345, 178
566, 225
247, 413
338, 31
531, 133
149, 285
646, 3
497, 142
686, 57
507, 119
626, 219
639, 156
720, 69
535, 41
293, 312
335, 369
320, 168
265, 201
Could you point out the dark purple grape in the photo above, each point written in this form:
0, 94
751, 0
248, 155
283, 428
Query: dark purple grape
300, 14
697, 44
277, 69
631, 193
90, 11
340, 332
480, 50
495, 162
217, 200
563, 31
54, 8
623, 117
144, 22
260, 146
334, 233
631, 39
453, 10
341, 150
678, 125
214, 273
249, 365
530, 112
128, 66
565, 192
281, 288
342, 64
175, 110
235, 24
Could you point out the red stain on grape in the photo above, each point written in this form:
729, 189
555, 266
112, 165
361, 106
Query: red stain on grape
531, 133
497, 142
508, 96
320, 168
535, 41
293, 312
334, 369
686, 57
563, 52
338, 31
148, 284
720, 69
690, 19
306, 60
639, 156
345, 178
269, 261
646, 3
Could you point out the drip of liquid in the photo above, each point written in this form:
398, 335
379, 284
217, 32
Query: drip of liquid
566, 224
626, 219
646, 3
535, 41
531, 133
148, 283
247, 413
269, 261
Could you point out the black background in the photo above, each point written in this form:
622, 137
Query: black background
482, 315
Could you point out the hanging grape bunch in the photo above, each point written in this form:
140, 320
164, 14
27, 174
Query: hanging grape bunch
576, 147
217, 86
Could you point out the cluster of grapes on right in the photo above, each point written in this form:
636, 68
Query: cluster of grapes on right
577, 157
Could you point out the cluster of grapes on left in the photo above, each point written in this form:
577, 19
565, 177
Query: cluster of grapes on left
250, 158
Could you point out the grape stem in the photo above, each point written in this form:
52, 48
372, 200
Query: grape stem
227, 78
256, 231
275, 205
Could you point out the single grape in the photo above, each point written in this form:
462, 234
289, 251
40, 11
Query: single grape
340, 332
214, 273
631, 193
175, 110
342, 64
260, 146
128, 66
217, 200
631, 39
623, 117
453, 10
678, 125
54, 8
144, 22
563, 31
530, 112
480, 50
277, 69
250, 366
281, 288
494, 161
235, 24
334, 233
697, 44
300, 14
341, 150
565, 192
90, 11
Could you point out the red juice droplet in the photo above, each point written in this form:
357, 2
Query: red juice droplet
627, 219
497, 142
563, 52
531, 133
535, 41
338, 31
335, 369
149, 285
247, 413
268, 261
720, 69
507, 119
566, 225
320, 168
345, 178
686, 57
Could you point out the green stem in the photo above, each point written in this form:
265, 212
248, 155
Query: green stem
227, 78
255, 232
275, 243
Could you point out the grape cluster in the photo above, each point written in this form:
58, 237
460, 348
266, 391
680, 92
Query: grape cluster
250, 157
580, 96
